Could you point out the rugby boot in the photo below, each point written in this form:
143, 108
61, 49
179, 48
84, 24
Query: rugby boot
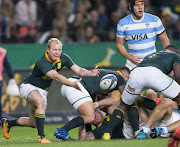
155, 132
42, 139
174, 140
62, 134
6, 128
142, 135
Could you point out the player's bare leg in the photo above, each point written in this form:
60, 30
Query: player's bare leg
87, 115
35, 99
162, 111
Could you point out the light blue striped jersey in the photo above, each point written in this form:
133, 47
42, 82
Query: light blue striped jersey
140, 35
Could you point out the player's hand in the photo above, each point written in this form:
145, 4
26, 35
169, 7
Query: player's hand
136, 60
95, 72
76, 85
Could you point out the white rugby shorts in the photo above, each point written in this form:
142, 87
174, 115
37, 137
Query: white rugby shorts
74, 96
149, 77
130, 65
128, 130
175, 117
26, 89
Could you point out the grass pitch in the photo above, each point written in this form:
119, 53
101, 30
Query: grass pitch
27, 137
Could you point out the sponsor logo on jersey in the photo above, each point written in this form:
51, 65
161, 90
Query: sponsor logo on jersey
59, 65
139, 37
147, 25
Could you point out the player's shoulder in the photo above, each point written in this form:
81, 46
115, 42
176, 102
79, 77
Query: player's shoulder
151, 17
63, 56
42, 60
125, 20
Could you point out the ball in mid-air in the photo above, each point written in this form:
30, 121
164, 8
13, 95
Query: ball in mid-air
108, 82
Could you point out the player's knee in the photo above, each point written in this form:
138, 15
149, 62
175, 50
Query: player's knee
42, 104
89, 118
166, 102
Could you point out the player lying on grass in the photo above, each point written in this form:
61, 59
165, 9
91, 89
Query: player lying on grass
152, 73
35, 85
164, 110
120, 131
168, 110
83, 102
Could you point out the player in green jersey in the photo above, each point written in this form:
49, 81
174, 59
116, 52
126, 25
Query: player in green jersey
35, 85
152, 73
82, 101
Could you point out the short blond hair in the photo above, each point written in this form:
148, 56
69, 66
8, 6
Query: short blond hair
53, 40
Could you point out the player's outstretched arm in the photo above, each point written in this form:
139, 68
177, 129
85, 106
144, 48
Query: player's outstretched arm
84, 72
60, 78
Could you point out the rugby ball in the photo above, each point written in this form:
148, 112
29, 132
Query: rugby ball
108, 82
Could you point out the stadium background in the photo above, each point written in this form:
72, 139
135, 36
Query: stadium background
59, 110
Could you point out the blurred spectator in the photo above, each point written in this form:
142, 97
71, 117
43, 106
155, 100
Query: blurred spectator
26, 13
176, 31
31, 36
175, 5
3, 29
6, 9
25, 16
81, 8
42, 7
93, 22
115, 17
149, 8
89, 36
13, 35
56, 10
111, 35
123, 8
169, 19
60, 24
111, 6
103, 18
76, 28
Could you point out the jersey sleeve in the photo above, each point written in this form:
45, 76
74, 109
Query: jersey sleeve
177, 59
121, 81
159, 28
67, 61
120, 30
8, 68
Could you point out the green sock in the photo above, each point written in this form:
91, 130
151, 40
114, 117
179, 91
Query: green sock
116, 118
40, 119
75, 122
13, 122
148, 103
133, 115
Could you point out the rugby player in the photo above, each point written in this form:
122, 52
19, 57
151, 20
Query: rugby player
153, 73
83, 102
35, 85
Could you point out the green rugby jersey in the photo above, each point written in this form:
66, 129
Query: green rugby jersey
92, 84
38, 77
163, 60
99, 130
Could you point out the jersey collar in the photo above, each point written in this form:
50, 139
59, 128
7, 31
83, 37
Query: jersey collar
167, 50
46, 55
119, 72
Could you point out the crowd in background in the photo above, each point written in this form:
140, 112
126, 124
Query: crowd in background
80, 21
